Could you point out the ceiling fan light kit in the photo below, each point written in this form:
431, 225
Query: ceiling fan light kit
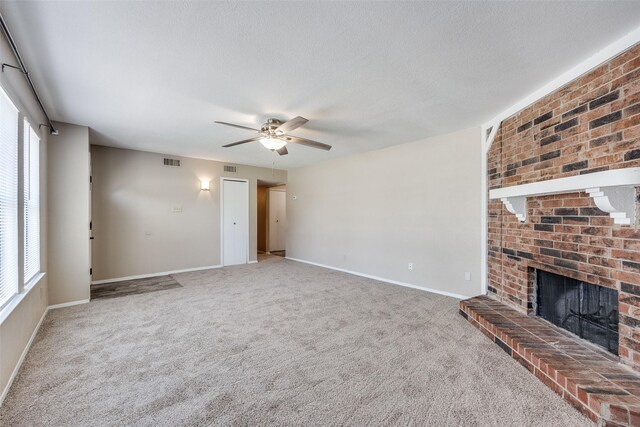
273, 143
274, 135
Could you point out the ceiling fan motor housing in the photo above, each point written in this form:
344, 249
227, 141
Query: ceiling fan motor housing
270, 126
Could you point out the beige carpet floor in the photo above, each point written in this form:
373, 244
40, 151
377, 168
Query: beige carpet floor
274, 343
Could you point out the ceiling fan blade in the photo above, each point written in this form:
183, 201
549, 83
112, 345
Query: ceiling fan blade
282, 151
307, 142
237, 126
292, 124
244, 141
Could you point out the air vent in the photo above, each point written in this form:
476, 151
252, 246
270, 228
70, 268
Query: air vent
171, 162
228, 168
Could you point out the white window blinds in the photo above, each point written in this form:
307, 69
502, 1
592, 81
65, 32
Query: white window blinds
31, 203
8, 199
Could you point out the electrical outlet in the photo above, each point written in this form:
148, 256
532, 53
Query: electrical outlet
467, 275
410, 266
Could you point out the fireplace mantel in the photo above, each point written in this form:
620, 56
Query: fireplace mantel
613, 191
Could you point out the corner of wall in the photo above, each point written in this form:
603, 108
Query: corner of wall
68, 214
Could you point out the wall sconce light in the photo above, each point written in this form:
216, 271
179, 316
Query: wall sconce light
204, 184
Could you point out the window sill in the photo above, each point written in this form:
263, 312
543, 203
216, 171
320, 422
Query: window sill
17, 299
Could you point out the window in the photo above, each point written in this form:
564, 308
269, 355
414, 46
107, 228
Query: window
8, 199
31, 146
14, 241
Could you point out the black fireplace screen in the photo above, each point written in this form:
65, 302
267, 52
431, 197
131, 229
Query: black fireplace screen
589, 311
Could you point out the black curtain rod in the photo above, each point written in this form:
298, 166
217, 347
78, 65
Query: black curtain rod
23, 69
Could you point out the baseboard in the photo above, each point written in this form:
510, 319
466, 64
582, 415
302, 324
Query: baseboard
68, 304
144, 276
22, 357
382, 279
252, 262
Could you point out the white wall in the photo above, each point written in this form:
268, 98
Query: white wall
375, 212
69, 260
136, 231
19, 321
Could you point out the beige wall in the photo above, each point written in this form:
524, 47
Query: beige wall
375, 212
136, 231
19, 322
69, 260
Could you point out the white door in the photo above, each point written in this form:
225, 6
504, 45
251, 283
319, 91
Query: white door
277, 220
235, 222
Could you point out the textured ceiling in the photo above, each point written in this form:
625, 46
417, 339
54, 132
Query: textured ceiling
155, 75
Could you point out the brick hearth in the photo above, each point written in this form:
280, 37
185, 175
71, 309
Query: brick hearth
589, 378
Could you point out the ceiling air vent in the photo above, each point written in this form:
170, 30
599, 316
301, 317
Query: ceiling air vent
228, 168
171, 162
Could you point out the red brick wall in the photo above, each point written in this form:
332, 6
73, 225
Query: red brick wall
589, 125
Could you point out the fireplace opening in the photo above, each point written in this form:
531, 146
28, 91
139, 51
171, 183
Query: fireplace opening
587, 310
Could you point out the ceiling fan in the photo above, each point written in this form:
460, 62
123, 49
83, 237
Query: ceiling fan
274, 135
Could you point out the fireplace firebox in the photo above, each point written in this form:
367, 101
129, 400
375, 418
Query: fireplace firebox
587, 310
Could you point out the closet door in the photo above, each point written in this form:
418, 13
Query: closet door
235, 222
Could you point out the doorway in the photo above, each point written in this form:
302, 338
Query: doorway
272, 219
235, 221
277, 221
262, 218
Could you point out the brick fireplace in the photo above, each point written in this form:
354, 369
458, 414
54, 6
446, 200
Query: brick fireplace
589, 126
